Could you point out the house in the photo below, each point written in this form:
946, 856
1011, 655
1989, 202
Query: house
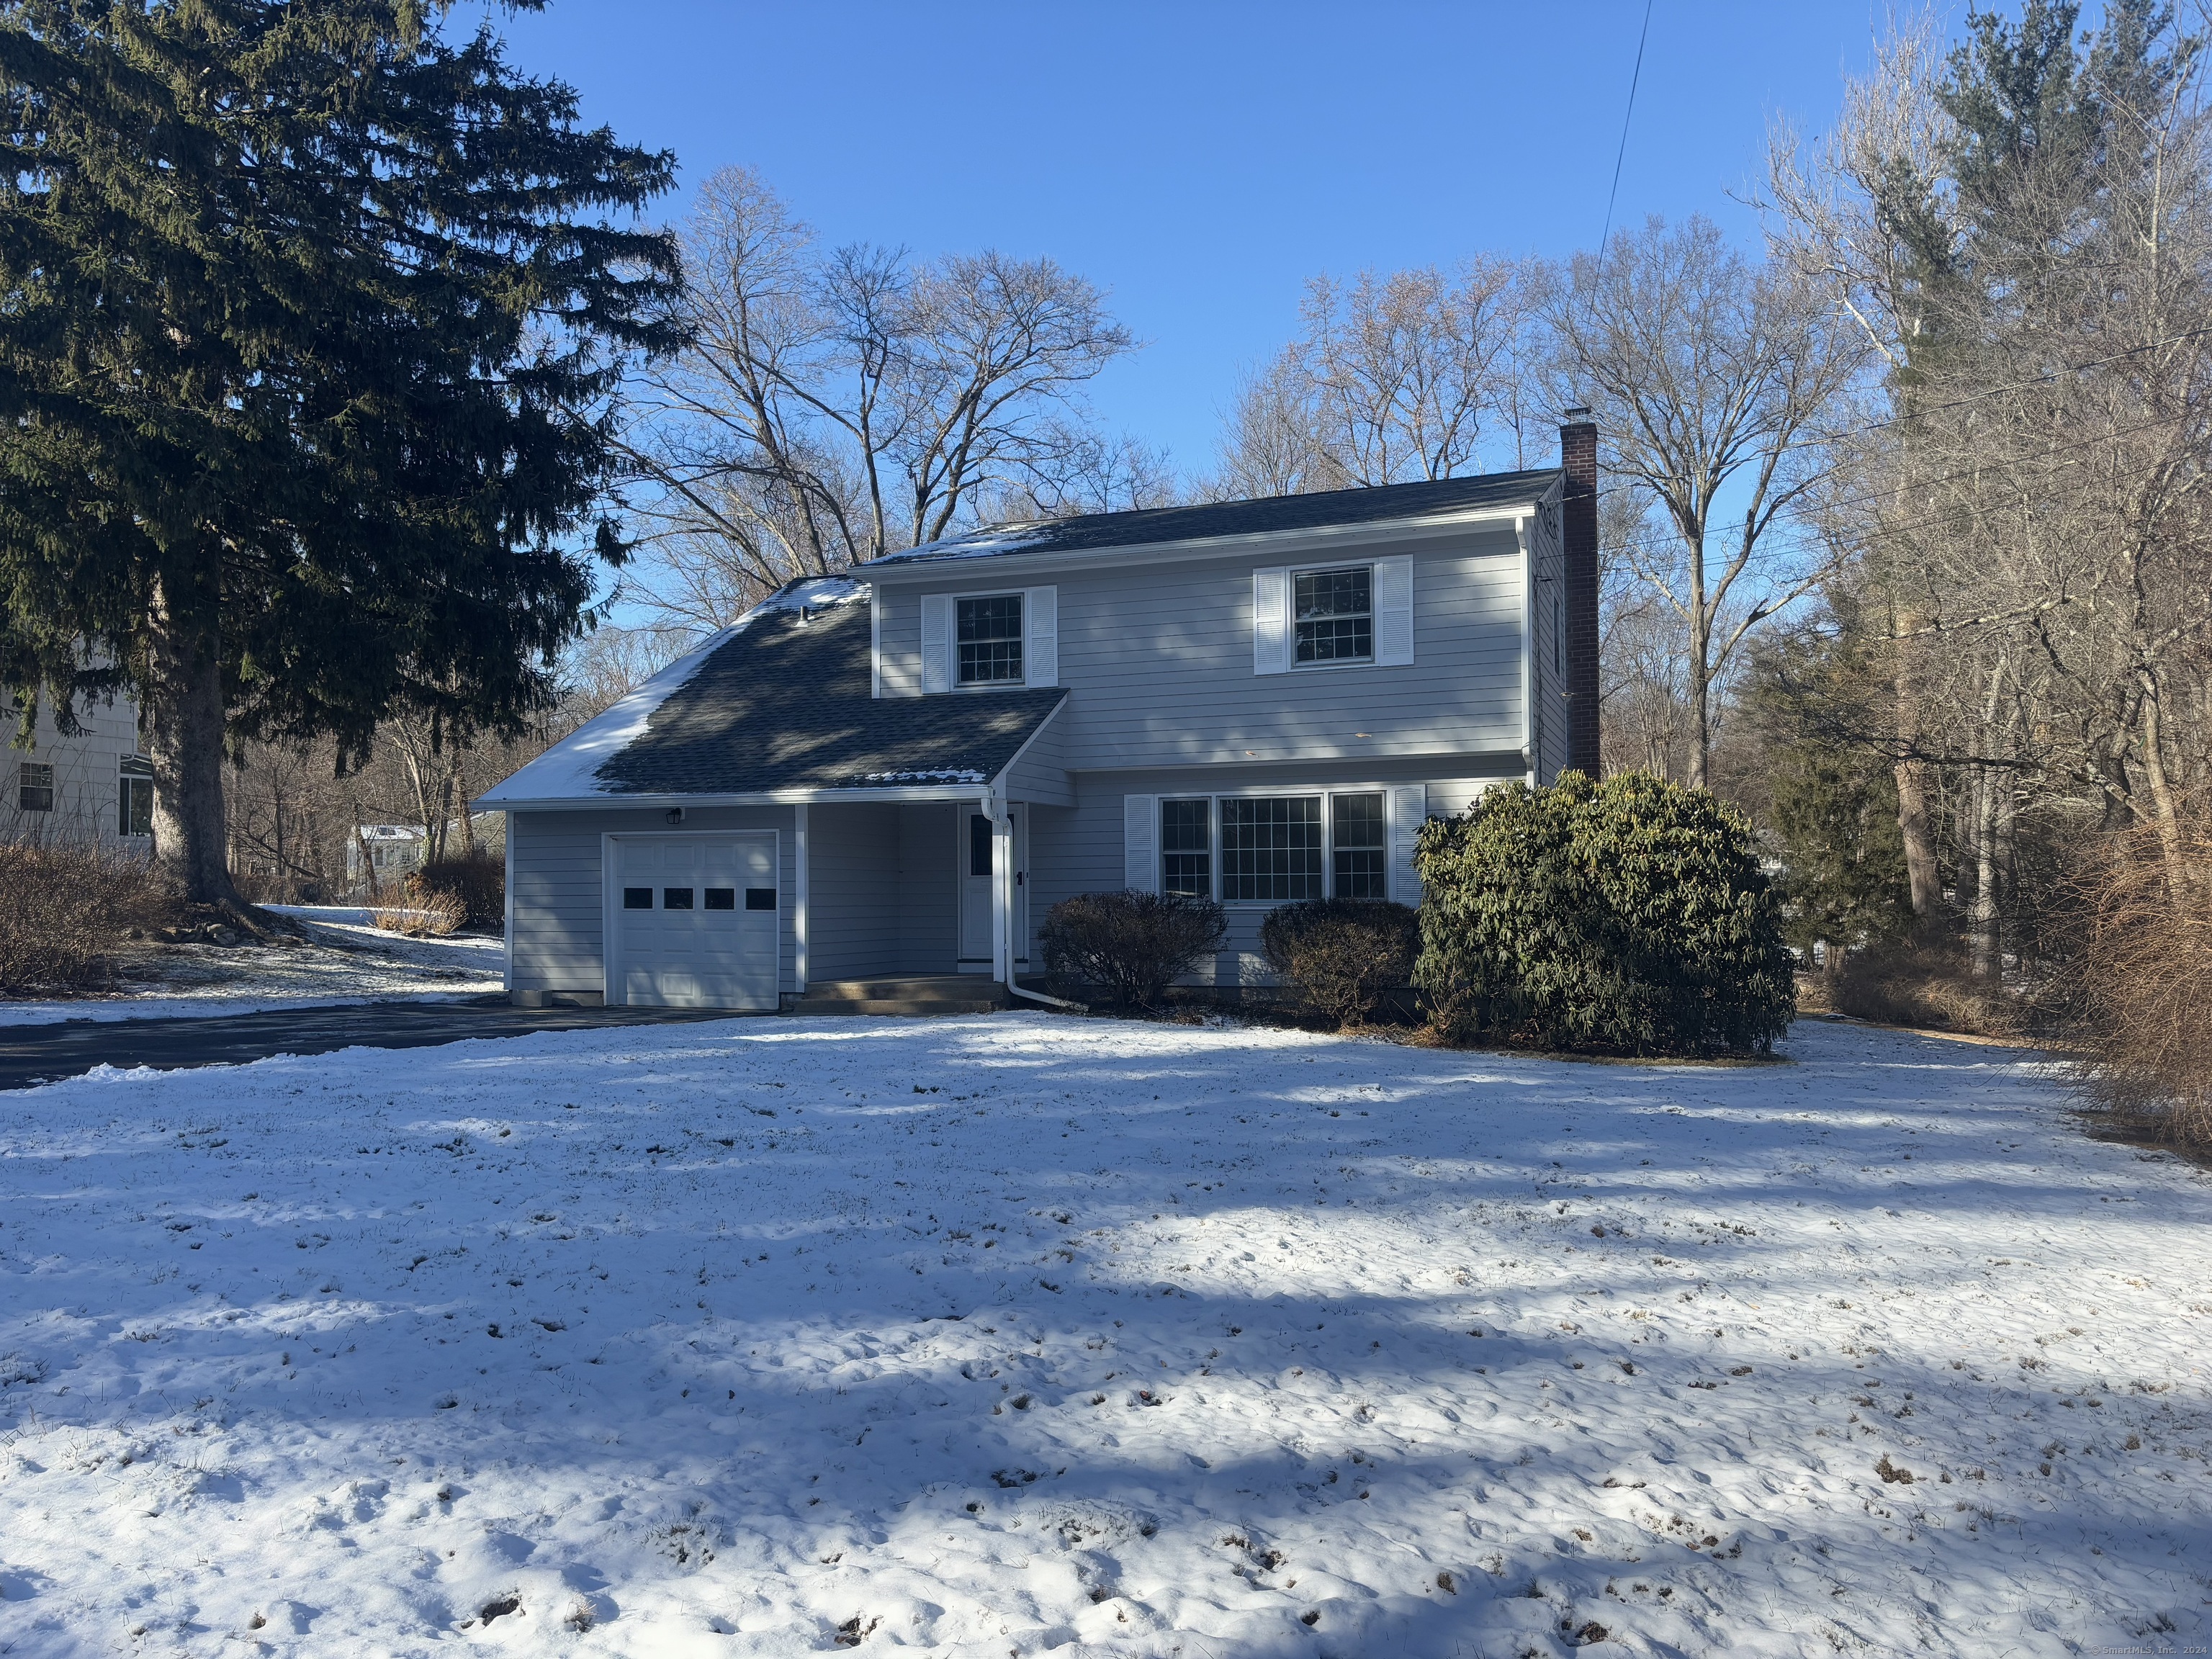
896, 772
389, 850
89, 784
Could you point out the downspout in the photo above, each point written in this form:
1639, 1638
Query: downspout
1002, 906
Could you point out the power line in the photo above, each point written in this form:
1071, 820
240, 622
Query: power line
1627, 115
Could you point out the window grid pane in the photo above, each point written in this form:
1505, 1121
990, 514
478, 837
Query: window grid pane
1357, 841
35, 786
990, 639
1187, 848
1271, 850
1333, 613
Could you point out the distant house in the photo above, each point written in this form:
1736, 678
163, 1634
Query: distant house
90, 785
392, 850
898, 772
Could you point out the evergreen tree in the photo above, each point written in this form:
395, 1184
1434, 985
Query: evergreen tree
1833, 817
314, 325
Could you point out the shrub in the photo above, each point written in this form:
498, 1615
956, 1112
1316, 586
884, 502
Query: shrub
1131, 945
1631, 916
420, 911
1926, 983
1346, 954
63, 909
2134, 989
478, 879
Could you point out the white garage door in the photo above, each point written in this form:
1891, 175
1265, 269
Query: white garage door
694, 922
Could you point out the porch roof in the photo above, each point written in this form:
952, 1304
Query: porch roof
779, 705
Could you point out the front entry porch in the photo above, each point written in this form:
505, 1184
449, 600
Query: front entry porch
912, 994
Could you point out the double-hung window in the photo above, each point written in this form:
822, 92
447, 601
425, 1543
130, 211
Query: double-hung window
988, 637
1358, 847
134, 798
1333, 614
1187, 846
35, 786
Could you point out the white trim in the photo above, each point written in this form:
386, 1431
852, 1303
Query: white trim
1319, 539
1409, 810
1141, 843
1271, 620
801, 876
1391, 609
1041, 636
936, 643
875, 641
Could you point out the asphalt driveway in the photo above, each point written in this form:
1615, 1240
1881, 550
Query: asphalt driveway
45, 1054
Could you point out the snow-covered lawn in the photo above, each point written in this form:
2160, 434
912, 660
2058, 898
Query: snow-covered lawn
1010, 1335
344, 960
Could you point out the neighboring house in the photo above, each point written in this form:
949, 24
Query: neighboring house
898, 772
392, 850
90, 785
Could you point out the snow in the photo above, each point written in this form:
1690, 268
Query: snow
1018, 1334
346, 960
570, 770
986, 543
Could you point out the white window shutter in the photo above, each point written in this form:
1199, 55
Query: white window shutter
1393, 611
1041, 629
936, 642
1409, 809
1271, 621
1140, 858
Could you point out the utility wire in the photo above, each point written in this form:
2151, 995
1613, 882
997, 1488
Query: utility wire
1627, 115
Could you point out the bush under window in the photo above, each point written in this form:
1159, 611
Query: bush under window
1346, 954
1631, 916
1128, 947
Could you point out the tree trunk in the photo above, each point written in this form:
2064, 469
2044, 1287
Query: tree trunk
2166, 812
1984, 931
184, 720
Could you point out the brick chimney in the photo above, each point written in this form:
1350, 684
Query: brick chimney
1578, 535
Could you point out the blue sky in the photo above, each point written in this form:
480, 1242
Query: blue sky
1200, 160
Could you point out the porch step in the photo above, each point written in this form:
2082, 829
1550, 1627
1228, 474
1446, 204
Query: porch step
914, 995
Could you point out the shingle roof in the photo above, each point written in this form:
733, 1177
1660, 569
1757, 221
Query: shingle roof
1092, 532
785, 705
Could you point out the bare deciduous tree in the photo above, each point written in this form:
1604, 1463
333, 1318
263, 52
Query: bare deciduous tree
1710, 376
833, 405
1394, 378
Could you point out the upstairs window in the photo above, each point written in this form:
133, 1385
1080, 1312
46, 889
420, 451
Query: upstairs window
988, 637
1357, 844
1333, 614
35, 786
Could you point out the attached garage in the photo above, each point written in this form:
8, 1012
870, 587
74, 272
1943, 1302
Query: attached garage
692, 920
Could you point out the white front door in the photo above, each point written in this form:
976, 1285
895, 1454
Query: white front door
975, 855
694, 922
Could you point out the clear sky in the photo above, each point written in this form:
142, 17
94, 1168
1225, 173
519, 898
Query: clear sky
1201, 160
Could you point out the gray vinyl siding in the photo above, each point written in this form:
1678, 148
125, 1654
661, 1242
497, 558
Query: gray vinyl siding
558, 940
1158, 658
928, 896
1040, 774
852, 891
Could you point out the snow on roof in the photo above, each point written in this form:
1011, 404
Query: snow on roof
570, 767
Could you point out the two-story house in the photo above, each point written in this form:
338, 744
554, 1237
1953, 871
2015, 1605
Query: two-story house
896, 772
